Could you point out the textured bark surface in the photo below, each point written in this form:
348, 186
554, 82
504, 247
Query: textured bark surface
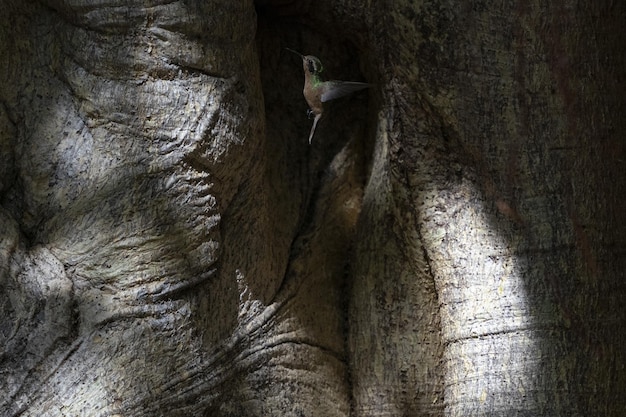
452, 243
499, 166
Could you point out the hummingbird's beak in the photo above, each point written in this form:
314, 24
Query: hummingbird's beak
295, 52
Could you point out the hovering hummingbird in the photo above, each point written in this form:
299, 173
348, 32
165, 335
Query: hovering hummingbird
317, 91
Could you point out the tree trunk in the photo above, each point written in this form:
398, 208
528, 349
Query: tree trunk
452, 243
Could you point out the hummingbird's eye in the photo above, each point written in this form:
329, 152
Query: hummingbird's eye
311, 65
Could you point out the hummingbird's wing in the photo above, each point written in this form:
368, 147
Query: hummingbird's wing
336, 89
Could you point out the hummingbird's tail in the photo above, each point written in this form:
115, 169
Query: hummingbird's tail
317, 119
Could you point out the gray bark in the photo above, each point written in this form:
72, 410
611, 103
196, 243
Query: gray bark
450, 244
498, 168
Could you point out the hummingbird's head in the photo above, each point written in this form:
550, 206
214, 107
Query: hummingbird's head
312, 64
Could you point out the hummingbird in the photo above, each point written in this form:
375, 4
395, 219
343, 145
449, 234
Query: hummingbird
316, 92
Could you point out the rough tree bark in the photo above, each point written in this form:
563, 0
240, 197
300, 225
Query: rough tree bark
451, 244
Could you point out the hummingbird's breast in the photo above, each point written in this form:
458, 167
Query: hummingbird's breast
313, 95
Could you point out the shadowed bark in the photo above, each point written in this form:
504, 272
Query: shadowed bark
452, 242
